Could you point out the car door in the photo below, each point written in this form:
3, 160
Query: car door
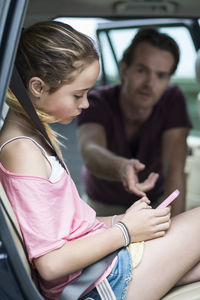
15, 283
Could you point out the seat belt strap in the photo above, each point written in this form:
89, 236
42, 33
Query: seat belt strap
20, 92
89, 275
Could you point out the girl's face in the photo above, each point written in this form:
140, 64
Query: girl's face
67, 102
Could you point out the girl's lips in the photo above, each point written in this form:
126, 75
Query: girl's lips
75, 116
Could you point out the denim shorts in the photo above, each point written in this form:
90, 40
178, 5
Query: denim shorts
118, 279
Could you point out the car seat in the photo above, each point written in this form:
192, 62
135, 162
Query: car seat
192, 167
20, 285
21, 268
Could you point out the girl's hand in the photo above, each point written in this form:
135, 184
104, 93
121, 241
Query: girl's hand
145, 223
143, 199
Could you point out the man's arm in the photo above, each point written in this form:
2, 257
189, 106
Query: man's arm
174, 153
106, 165
98, 159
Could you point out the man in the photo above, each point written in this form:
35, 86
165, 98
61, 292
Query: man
133, 135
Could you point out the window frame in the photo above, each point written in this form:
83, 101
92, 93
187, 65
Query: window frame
192, 25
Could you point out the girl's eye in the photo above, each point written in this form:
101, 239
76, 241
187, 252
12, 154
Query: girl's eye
78, 96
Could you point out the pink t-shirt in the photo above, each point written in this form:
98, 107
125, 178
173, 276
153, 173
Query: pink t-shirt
49, 215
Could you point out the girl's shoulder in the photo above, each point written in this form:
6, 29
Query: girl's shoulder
23, 155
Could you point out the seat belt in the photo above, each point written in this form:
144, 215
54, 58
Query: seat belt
91, 273
20, 92
88, 276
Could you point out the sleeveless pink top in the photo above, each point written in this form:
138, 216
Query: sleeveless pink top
49, 215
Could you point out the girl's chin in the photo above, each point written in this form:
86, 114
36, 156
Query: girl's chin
66, 122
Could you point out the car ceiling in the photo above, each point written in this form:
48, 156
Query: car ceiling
48, 9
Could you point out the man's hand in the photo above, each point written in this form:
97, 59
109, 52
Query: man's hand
129, 178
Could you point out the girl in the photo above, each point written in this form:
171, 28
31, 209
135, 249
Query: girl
58, 66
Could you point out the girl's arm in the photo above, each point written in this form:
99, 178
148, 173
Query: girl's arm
108, 220
23, 157
142, 222
77, 254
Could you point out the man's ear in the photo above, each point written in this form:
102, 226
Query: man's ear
122, 71
36, 86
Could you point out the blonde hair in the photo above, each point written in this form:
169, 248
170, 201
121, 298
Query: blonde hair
56, 53
14, 104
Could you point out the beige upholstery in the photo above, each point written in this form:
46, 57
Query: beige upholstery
197, 66
186, 292
192, 169
12, 215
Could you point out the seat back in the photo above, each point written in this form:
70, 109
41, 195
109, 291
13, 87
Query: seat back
16, 256
12, 231
197, 71
197, 66
186, 292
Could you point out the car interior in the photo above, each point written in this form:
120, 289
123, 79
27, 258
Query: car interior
116, 23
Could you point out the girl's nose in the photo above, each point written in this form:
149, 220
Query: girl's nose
84, 104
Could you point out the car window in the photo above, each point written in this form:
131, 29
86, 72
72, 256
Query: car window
185, 73
113, 42
182, 36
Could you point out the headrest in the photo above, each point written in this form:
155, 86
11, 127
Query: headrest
197, 66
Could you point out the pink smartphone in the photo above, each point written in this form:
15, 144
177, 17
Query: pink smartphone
169, 199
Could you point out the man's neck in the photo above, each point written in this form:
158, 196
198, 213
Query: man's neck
135, 115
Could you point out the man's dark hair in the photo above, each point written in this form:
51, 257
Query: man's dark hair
155, 38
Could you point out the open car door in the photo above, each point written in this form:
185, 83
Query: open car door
16, 282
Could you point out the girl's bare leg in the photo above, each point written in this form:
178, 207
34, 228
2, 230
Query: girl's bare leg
166, 260
192, 276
